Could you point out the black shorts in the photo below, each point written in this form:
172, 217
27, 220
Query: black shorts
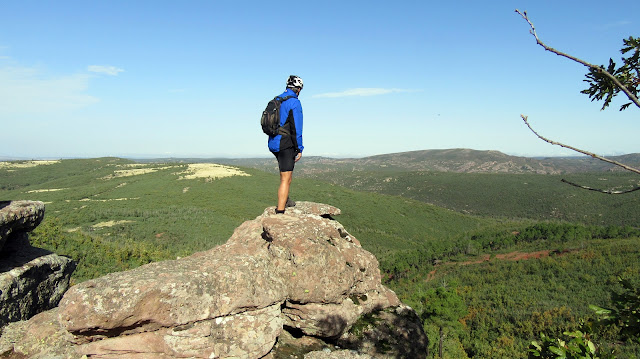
286, 159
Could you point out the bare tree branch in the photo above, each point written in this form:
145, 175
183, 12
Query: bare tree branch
607, 191
600, 69
628, 168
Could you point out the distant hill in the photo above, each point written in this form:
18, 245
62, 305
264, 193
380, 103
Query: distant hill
459, 160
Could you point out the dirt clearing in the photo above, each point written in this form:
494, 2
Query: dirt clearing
512, 256
24, 164
210, 171
110, 223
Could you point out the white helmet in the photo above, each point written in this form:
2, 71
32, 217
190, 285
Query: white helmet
294, 81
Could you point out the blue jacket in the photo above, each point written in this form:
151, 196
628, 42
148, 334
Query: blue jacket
279, 142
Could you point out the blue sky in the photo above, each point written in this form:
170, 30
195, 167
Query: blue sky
190, 78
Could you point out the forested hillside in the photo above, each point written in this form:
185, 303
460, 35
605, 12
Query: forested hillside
510, 256
486, 183
540, 197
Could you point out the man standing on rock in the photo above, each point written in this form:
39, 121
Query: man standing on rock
288, 148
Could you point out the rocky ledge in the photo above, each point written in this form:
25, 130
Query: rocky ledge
283, 286
32, 279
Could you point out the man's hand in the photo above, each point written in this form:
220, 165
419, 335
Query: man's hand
298, 156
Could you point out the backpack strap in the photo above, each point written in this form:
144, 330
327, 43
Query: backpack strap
283, 99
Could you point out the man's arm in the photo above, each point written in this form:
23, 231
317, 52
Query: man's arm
297, 120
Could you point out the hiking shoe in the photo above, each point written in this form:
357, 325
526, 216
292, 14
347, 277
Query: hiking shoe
290, 203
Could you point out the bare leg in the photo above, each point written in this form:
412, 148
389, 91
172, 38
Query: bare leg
283, 190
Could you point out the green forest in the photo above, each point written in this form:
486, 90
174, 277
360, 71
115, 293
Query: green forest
491, 262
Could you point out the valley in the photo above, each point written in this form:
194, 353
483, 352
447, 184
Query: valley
488, 256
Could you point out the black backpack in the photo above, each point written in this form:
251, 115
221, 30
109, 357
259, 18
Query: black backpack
270, 120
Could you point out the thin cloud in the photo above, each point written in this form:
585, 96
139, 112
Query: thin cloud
363, 91
107, 70
621, 23
25, 90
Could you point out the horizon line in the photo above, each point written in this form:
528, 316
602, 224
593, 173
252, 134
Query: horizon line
262, 156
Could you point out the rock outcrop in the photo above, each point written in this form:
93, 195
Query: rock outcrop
32, 279
17, 218
279, 282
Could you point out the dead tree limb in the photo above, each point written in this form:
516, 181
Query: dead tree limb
600, 69
628, 168
607, 191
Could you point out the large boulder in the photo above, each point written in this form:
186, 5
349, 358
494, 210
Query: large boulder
18, 217
32, 279
301, 272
